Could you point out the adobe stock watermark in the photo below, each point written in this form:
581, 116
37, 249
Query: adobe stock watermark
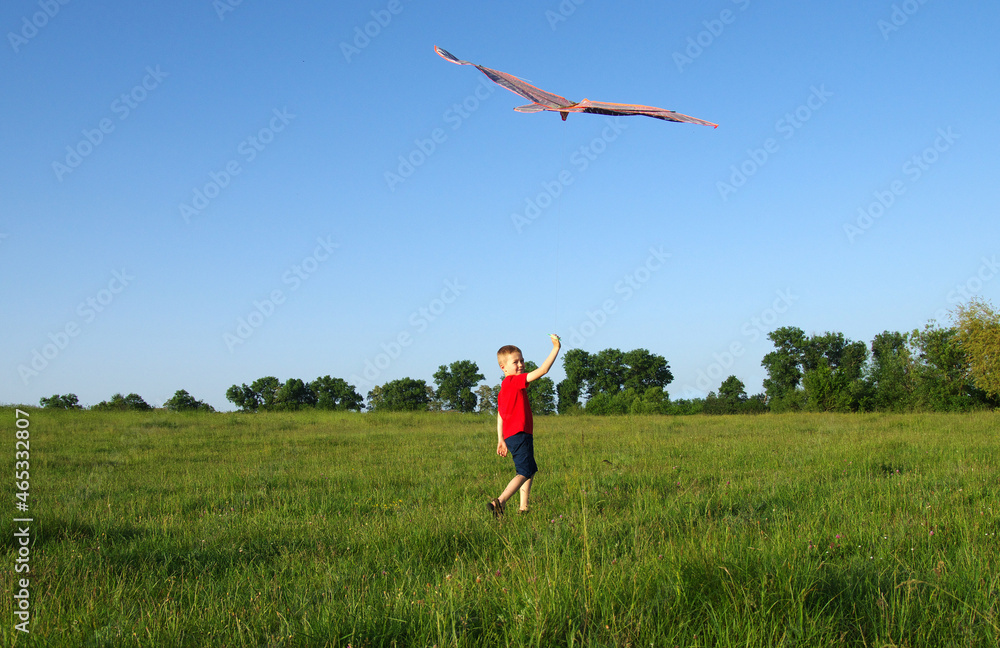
965, 291
222, 7
580, 160
714, 27
30, 26
913, 169
754, 328
87, 311
23, 537
122, 106
787, 127
294, 277
423, 148
419, 321
562, 12
364, 34
247, 151
624, 289
900, 15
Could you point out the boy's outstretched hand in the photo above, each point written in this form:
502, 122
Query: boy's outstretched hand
502, 448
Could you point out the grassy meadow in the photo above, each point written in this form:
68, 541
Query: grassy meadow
328, 529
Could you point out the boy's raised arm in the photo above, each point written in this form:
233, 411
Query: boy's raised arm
545, 366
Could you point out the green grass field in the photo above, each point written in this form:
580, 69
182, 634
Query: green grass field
323, 529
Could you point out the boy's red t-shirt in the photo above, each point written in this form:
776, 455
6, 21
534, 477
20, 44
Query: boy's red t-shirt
513, 405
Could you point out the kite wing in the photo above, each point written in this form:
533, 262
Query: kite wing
603, 108
543, 100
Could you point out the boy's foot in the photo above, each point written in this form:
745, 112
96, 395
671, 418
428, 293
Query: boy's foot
495, 507
522, 511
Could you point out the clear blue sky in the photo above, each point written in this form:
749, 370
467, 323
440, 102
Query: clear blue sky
197, 194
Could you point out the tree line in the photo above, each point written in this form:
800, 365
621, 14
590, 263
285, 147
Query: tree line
923, 370
269, 394
935, 369
945, 369
181, 401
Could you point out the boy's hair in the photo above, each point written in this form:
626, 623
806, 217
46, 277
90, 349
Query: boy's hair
505, 351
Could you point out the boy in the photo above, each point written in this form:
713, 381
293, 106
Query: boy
514, 424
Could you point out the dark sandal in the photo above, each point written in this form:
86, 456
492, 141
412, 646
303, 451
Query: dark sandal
495, 507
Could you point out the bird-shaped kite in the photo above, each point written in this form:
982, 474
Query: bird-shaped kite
547, 101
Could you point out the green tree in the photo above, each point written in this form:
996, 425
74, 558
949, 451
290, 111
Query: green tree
838, 364
579, 371
293, 395
784, 368
851, 363
182, 401
262, 394
848, 375
266, 389
65, 401
890, 373
404, 394
731, 398
600, 404
756, 404
375, 397
978, 325
434, 404
942, 380
611, 372
626, 401
542, 396
836, 383
653, 401
733, 391
455, 384
685, 406
135, 402
488, 398
541, 393
243, 397
646, 370
713, 405
821, 388
122, 403
336, 394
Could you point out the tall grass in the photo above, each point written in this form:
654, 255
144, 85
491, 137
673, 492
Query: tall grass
324, 529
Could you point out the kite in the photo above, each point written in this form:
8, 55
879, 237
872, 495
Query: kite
543, 100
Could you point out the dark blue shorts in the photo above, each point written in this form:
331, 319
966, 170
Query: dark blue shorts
522, 449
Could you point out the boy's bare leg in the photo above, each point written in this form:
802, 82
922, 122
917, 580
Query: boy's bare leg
512, 488
525, 491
